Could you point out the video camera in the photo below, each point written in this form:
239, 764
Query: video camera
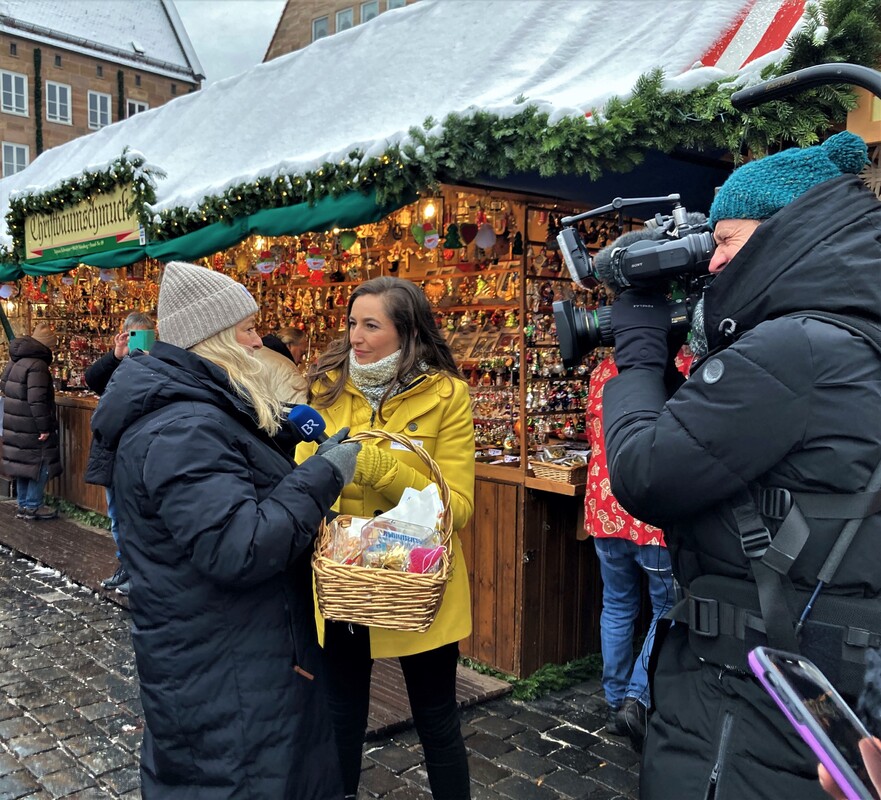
671, 251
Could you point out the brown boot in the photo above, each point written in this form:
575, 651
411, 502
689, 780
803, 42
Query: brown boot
45, 512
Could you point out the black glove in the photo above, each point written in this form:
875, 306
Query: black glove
640, 325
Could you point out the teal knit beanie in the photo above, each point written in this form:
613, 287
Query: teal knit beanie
759, 189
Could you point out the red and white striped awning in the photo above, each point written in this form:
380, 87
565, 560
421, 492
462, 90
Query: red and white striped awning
762, 27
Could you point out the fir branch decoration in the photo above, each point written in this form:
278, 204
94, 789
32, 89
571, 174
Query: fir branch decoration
615, 138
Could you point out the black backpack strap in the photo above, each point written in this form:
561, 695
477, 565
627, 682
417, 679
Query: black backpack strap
756, 541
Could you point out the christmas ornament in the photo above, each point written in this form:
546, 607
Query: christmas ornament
517, 246
347, 239
486, 236
452, 240
314, 259
468, 230
418, 233
430, 236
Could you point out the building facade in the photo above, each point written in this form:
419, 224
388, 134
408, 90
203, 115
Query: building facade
305, 21
67, 70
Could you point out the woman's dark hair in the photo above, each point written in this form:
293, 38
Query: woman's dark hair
421, 342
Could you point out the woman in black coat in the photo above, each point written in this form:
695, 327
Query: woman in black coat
30, 427
219, 529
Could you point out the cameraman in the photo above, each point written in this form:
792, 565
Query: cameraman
780, 415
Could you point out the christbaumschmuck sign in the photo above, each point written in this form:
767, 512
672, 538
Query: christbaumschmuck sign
101, 222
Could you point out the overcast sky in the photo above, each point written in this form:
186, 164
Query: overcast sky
229, 35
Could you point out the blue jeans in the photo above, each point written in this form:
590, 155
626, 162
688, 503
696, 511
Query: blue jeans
622, 563
29, 491
111, 512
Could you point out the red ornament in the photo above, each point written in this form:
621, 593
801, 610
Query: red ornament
303, 269
317, 277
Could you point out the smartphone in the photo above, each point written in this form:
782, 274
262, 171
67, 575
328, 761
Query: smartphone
820, 715
141, 340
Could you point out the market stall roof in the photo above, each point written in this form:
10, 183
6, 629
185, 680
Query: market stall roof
364, 89
154, 37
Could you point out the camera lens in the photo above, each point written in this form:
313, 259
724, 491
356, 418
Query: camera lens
580, 331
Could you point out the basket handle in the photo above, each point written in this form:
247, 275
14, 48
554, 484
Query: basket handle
443, 488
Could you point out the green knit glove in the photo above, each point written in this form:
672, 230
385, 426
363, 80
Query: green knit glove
372, 465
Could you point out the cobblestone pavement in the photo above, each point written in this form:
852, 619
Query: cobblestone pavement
70, 717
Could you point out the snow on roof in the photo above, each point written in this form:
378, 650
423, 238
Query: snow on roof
365, 87
153, 31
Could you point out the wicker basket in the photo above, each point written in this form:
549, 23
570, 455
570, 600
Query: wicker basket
403, 601
559, 472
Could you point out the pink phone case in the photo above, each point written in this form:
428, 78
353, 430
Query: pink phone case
828, 755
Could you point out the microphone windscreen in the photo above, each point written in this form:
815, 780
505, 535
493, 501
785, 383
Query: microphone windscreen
308, 422
602, 261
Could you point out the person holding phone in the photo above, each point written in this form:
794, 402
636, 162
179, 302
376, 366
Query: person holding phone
870, 750
754, 465
823, 719
138, 333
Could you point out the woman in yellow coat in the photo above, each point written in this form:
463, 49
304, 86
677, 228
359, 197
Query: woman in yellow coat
393, 371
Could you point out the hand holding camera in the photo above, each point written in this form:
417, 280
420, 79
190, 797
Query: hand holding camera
640, 325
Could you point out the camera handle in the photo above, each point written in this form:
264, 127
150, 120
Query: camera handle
808, 78
617, 204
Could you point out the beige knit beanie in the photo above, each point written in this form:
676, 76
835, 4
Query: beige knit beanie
195, 303
44, 334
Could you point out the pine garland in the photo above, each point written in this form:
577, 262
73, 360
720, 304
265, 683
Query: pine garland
614, 138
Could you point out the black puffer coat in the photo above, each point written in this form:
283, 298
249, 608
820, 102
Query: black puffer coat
28, 411
783, 401
218, 532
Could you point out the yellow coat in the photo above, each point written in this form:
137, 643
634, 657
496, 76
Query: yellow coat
435, 413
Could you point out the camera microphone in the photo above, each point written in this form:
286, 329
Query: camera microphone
308, 423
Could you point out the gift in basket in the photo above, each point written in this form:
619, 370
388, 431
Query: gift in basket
386, 572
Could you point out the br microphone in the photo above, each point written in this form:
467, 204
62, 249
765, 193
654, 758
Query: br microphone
308, 423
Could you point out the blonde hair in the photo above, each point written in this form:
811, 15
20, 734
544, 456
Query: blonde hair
248, 377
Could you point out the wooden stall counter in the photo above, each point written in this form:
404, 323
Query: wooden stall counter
534, 579
75, 436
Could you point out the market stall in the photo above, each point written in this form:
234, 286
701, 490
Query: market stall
461, 191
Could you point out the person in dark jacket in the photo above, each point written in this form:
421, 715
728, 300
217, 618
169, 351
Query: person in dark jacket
97, 377
30, 425
752, 467
219, 525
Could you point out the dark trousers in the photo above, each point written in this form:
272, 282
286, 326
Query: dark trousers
431, 687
